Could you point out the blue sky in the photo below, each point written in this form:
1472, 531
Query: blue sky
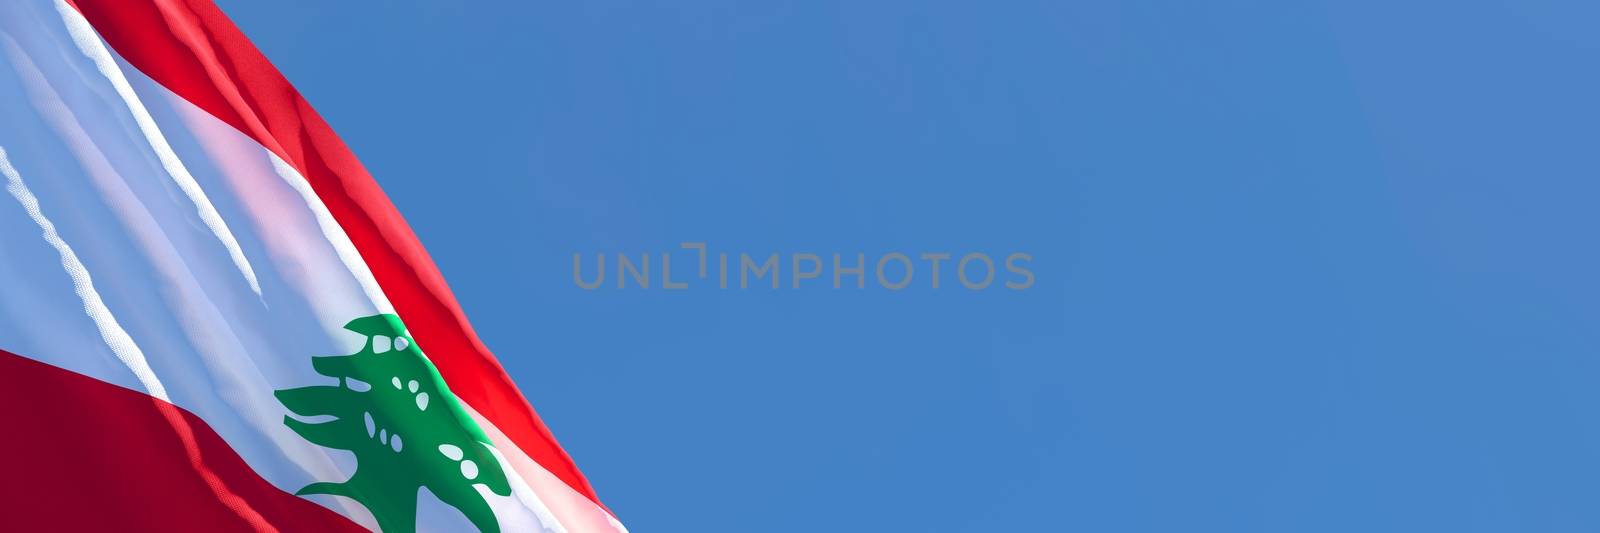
1301, 266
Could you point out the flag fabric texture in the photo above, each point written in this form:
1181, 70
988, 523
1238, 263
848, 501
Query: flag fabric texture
212, 318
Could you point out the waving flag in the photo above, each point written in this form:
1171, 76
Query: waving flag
212, 318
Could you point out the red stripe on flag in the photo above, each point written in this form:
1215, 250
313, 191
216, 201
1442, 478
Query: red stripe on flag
191, 48
81, 454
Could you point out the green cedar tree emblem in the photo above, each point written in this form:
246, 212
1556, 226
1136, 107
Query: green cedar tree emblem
406, 430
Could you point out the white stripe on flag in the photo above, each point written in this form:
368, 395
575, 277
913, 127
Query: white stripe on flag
116, 338
334, 233
89, 43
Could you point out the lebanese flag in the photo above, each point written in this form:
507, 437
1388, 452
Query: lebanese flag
211, 316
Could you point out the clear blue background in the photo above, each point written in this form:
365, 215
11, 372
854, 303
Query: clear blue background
1302, 265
